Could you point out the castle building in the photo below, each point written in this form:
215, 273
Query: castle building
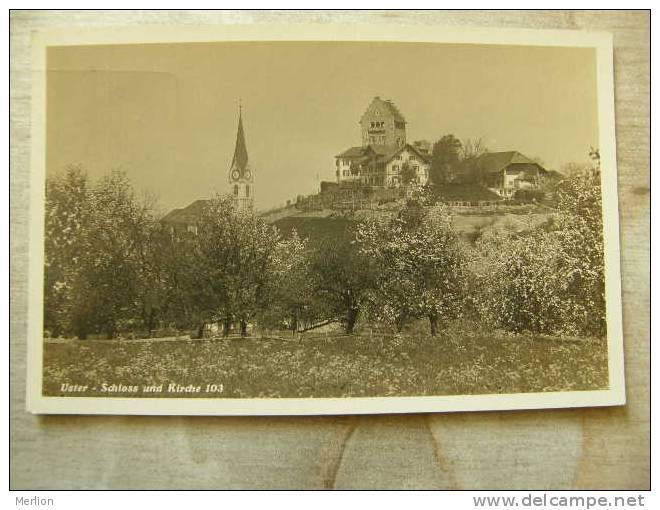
383, 124
385, 158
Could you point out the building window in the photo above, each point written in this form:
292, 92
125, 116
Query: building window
192, 229
395, 168
412, 158
247, 191
235, 190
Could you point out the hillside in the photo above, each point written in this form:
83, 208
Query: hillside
323, 224
315, 227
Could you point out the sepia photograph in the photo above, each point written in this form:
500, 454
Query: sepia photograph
264, 222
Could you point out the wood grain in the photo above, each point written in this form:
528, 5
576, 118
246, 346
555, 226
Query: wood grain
558, 449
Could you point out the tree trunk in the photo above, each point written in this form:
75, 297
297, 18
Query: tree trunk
225, 326
351, 319
433, 320
81, 329
200, 329
150, 323
243, 328
295, 321
400, 322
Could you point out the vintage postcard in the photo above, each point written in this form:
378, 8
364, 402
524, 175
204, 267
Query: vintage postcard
253, 220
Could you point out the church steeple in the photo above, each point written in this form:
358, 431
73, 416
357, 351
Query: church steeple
240, 174
240, 151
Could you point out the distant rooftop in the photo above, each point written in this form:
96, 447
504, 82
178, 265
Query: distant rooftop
186, 216
497, 161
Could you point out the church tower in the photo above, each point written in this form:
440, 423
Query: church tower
240, 173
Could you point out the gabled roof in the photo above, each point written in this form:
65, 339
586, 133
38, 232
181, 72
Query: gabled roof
354, 152
240, 158
384, 153
385, 105
387, 152
554, 174
498, 161
188, 215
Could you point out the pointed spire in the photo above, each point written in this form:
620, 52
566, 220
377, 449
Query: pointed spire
240, 151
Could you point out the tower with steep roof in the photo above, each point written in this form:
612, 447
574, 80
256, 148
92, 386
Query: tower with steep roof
383, 124
241, 177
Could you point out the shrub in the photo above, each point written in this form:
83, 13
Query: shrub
550, 279
528, 196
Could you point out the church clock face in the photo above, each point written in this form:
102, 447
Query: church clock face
248, 174
235, 175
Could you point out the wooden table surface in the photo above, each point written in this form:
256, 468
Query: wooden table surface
604, 448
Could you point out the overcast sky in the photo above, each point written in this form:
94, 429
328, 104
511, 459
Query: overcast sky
167, 114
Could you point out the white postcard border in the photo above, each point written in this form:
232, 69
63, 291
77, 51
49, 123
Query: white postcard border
600, 41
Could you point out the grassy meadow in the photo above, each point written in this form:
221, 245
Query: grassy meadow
332, 365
